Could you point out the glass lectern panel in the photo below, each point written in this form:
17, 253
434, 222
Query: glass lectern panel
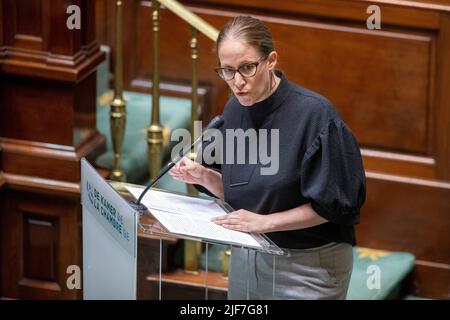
149, 224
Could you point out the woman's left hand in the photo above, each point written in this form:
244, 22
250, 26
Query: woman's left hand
243, 220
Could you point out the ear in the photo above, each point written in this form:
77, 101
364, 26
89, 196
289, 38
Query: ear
272, 60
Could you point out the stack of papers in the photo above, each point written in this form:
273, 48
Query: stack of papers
191, 216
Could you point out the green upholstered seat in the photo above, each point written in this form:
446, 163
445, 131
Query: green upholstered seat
393, 267
413, 297
215, 257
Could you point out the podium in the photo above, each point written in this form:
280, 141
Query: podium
110, 234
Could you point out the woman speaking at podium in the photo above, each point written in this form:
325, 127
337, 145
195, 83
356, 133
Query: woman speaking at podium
310, 205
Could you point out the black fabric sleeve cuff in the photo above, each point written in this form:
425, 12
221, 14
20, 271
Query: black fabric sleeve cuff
345, 216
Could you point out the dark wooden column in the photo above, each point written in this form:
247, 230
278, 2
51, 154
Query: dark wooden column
47, 124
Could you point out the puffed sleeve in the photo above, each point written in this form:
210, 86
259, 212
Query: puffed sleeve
332, 175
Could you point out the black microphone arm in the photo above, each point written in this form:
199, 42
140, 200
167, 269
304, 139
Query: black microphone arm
215, 123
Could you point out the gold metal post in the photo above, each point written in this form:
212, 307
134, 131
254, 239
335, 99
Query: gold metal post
118, 106
194, 97
226, 262
155, 130
192, 254
193, 249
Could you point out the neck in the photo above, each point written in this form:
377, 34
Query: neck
272, 87
273, 84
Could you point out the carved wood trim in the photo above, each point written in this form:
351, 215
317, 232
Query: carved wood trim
2, 180
406, 13
36, 184
408, 180
36, 159
40, 284
50, 66
216, 280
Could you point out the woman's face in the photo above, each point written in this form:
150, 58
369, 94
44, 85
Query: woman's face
236, 53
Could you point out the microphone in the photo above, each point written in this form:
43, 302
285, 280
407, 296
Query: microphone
215, 123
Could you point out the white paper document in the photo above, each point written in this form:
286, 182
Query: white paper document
190, 216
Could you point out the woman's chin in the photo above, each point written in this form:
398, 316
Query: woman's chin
245, 101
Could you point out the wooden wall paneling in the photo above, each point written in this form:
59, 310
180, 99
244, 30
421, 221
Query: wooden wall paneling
1, 165
442, 111
408, 14
431, 280
26, 24
101, 18
57, 52
400, 164
2, 188
1, 30
30, 101
89, 22
65, 42
38, 244
105, 30
29, 107
364, 75
30, 129
362, 81
40, 240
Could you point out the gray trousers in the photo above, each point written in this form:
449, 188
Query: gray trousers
317, 273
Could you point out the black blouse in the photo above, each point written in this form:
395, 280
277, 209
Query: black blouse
319, 163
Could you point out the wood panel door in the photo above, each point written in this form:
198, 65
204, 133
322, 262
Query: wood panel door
41, 238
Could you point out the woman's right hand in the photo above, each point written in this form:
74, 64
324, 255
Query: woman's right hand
188, 171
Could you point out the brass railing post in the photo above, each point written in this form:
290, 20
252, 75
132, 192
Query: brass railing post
118, 105
193, 249
155, 130
226, 255
194, 97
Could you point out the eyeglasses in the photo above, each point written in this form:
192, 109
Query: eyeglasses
247, 70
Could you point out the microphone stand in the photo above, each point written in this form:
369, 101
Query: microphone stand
215, 123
